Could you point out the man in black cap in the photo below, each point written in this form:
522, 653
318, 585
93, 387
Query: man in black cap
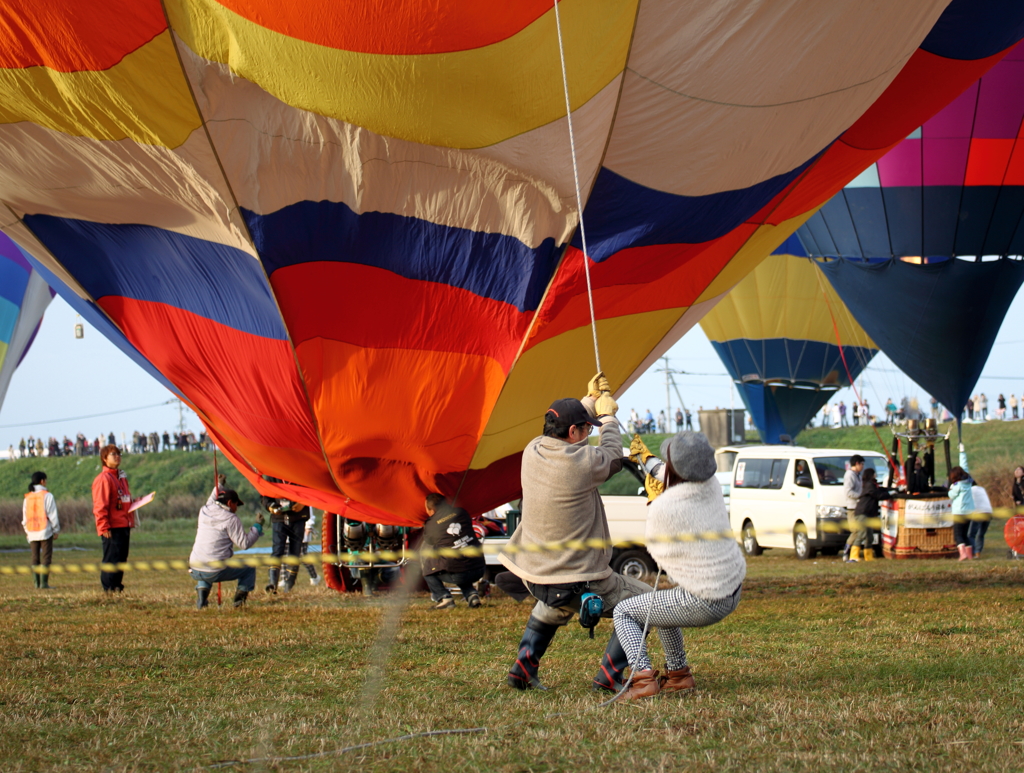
450, 527
219, 530
561, 473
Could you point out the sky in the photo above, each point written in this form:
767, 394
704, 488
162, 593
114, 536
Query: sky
64, 382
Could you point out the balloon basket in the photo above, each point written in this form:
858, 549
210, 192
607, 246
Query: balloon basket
921, 527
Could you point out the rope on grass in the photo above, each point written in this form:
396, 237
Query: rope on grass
385, 557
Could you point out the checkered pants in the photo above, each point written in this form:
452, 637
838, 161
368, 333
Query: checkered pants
671, 611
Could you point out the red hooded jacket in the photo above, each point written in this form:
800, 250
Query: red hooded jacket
111, 500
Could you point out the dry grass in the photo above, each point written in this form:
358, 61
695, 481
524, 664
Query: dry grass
892, 665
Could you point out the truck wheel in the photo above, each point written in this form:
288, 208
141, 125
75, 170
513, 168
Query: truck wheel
637, 564
749, 537
801, 543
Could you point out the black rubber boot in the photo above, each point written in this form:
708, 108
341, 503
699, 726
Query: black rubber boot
202, 598
44, 579
240, 597
274, 576
290, 573
37, 578
613, 663
536, 638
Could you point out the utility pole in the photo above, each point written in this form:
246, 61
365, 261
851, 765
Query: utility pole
670, 383
181, 413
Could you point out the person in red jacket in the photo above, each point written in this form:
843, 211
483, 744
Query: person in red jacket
114, 521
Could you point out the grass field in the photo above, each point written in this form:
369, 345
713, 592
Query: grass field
894, 665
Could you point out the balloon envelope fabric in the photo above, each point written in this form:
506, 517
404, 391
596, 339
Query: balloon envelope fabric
776, 332
936, 322
347, 233
24, 296
955, 186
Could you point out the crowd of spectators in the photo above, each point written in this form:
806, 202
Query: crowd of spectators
141, 443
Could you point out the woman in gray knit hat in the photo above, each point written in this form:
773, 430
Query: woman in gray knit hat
708, 573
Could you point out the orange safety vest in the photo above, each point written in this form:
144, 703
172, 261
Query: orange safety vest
35, 511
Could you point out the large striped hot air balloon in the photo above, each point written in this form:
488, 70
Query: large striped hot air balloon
954, 188
347, 233
787, 341
24, 297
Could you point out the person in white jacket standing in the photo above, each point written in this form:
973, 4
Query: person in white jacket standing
708, 573
217, 534
42, 525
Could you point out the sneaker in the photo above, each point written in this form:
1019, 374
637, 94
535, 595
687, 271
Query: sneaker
446, 603
474, 600
314, 581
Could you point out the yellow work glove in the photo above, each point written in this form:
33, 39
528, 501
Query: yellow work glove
597, 385
654, 487
638, 451
606, 405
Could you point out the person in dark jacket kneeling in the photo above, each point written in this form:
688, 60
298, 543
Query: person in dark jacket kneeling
450, 527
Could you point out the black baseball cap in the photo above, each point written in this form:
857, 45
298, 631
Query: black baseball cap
569, 412
228, 496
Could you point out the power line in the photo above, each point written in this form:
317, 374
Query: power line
90, 416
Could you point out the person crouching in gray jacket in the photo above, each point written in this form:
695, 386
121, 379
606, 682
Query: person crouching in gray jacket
561, 473
708, 573
218, 532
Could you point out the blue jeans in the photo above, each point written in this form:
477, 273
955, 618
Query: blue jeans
246, 576
976, 535
465, 580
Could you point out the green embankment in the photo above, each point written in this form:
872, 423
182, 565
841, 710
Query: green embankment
995, 448
170, 473
182, 481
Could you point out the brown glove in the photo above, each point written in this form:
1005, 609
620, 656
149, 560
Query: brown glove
597, 385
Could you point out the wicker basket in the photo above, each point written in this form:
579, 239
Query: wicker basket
900, 541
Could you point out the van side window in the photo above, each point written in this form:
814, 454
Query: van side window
802, 471
778, 474
760, 473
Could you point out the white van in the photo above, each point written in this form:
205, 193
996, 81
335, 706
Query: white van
782, 495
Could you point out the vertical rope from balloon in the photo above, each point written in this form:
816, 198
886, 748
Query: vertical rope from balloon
576, 181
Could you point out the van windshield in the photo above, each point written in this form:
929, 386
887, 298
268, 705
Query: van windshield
831, 469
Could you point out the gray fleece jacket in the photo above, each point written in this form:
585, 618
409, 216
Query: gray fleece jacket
561, 502
218, 531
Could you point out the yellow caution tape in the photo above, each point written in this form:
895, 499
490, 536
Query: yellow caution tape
393, 556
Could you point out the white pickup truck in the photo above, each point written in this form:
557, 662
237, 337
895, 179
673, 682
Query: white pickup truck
627, 518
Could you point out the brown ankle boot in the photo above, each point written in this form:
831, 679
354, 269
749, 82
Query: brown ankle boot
645, 685
677, 681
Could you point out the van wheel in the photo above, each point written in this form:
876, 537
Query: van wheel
801, 543
749, 537
637, 564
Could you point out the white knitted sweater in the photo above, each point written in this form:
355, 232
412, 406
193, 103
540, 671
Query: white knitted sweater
711, 569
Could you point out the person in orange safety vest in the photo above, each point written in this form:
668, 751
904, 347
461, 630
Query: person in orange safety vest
42, 525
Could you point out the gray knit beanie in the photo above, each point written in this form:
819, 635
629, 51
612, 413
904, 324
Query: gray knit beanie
691, 455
